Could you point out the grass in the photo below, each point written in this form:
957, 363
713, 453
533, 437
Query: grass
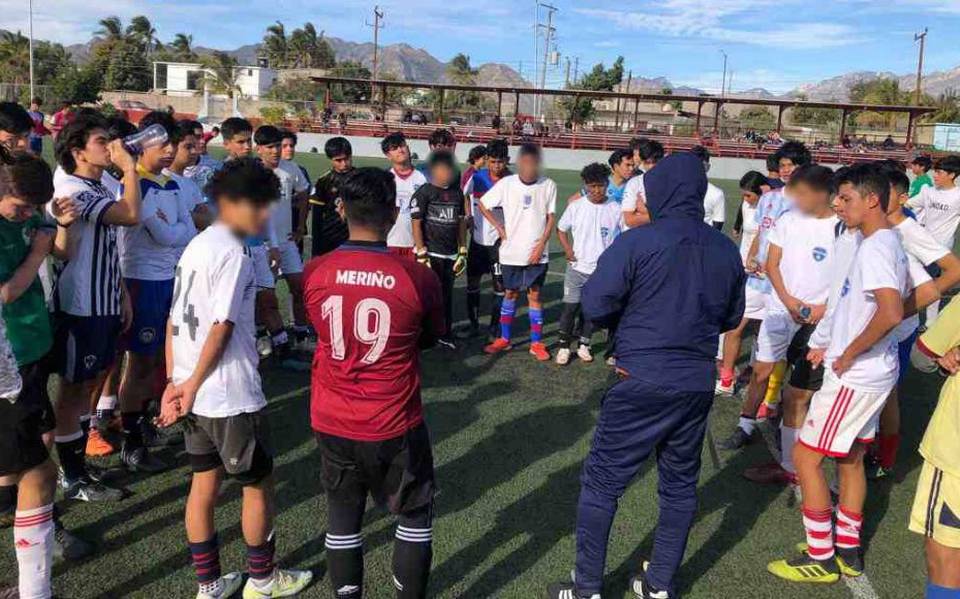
509, 437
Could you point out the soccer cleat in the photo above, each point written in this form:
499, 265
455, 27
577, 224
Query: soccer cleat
641, 587
567, 590
563, 356
849, 559
737, 440
497, 346
874, 470
612, 361
804, 568
724, 387
583, 352
228, 585
770, 474
160, 437
86, 489
69, 547
141, 460
447, 343
97, 445
539, 351
285, 583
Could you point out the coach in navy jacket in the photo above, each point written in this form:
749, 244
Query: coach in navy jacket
670, 288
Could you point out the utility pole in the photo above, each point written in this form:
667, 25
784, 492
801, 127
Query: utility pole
548, 31
576, 70
377, 26
567, 75
922, 38
730, 83
31, 51
723, 84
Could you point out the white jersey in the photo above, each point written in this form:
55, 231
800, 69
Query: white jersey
112, 184
482, 232
714, 205
921, 247
149, 251
749, 231
880, 263
845, 247
89, 282
282, 212
189, 190
594, 228
401, 235
938, 211
633, 195
301, 182
806, 262
525, 210
215, 284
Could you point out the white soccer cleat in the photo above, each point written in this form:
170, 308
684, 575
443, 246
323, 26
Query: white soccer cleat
583, 352
286, 583
722, 389
227, 586
563, 356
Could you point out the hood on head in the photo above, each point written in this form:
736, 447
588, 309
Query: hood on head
675, 187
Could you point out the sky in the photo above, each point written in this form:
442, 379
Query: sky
775, 44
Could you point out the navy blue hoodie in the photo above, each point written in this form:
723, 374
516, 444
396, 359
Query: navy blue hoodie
670, 287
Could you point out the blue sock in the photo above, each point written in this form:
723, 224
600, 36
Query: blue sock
536, 324
937, 592
507, 310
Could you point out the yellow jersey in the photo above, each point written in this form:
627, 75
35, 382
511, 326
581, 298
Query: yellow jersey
941, 442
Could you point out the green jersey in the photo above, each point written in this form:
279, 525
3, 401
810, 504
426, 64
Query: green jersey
919, 183
27, 318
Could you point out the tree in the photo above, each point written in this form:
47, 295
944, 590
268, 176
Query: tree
77, 84
817, 117
947, 107
142, 33
878, 91
111, 29
351, 92
580, 110
276, 45
757, 117
460, 72
308, 49
221, 74
182, 48
14, 57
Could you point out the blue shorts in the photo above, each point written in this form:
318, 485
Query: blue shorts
151, 307
85, 346
904, 349
522, 278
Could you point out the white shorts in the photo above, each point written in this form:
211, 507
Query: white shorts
839, 416
261, 267
756, 304
776, 333
291, 262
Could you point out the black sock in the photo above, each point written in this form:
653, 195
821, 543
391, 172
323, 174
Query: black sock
8, 499
495, 313
473, 306
85, 427
344, 546
131, 429
413, 554
72, 458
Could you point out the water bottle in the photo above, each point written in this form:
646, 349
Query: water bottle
154, 135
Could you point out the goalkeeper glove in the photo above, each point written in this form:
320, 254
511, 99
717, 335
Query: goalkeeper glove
461, 262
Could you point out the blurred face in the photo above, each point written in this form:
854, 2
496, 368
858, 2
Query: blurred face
807, 199
786, 169
14, 141
528, 167
244, 217
441, 174
646, 165
16, 210
480, 163
201, 145
157, 158
288, 149
624, 169
269, 154
496, 166
188, 151
897, 200
749, 197
447, 147
399, 155
916, 169
95, 153
341, 164
596, 192
854, 207
943, 179
239, 145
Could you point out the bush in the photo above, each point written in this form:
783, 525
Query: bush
273, 115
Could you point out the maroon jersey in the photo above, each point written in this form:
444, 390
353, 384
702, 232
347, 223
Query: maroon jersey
372, 311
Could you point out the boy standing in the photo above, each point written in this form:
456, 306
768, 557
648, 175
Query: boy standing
920, 167
938, 207
408, 180
328, 227
595, 223
212, 360
529, 203
860, 370
621, 169
439, 231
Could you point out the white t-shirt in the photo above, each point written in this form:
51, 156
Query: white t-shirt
938, 211
483, 232
525, 210
923, 250
217, 284
714, 205
281, 217
633, 194
880, 263
594, 228
189, 190
806, 262
401, 235
149, 251
845, 247
301, 183
749, 231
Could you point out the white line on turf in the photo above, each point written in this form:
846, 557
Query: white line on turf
860, 586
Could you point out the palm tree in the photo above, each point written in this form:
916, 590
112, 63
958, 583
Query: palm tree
221, 74
142, 31
276, 45
14, 56
111, 29
182, 47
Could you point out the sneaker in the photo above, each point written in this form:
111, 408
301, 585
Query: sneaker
97, 445
69, 547
141, 460
539, 351
874, 470
87, 489
285, 583
567, 590
725, 387
228, 583
563, 356
447, 343
101, 474
849, 559
497, 346
160, 437
771, 473
642, 589
583, 352
804, 568
737, 440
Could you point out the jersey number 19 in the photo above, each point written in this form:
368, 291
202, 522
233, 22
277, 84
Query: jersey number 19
371, 326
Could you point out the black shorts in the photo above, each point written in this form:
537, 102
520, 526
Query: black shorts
522, 278
240, 444
85, 346
24, 422
483, 260
397, 472
803, 375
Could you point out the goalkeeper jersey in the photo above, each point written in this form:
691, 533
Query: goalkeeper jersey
941, 442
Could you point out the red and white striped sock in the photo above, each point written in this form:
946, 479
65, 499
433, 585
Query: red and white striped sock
819, 527
848, 528
33, 540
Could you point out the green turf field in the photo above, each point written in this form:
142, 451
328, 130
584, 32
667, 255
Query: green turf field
509, 435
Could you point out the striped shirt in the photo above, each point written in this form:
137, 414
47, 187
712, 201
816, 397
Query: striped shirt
89, 283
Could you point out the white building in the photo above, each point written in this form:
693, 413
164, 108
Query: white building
186, 79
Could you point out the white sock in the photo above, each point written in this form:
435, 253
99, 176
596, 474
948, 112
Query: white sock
747, 424
788, 438
33, 540
107, 402
214, 588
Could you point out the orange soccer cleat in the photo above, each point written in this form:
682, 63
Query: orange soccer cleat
539, 351
97, 445
497, 346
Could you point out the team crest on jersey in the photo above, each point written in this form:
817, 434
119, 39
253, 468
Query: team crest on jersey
90, 361
527, 201
604, 231
147, 335
846, 288
819, 254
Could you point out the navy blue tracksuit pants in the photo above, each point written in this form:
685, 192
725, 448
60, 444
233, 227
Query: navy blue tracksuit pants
636, 419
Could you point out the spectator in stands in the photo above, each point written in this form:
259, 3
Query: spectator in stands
496, 122
888, 143
39, 130
920, 167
